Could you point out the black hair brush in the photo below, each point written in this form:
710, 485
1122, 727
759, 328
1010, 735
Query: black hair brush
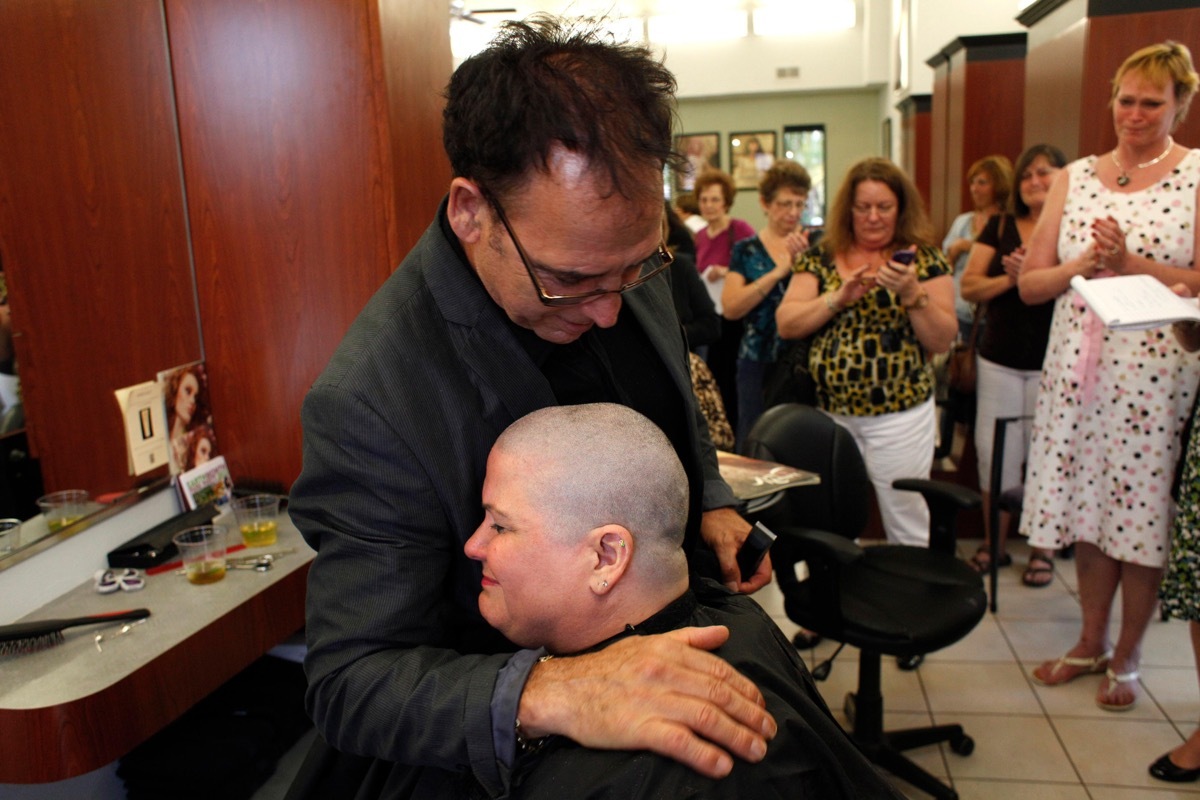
30, 637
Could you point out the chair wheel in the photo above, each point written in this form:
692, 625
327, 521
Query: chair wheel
963, 745
849, 707
909, 663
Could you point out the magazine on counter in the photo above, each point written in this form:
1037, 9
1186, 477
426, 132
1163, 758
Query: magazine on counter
1135, 302
208, 483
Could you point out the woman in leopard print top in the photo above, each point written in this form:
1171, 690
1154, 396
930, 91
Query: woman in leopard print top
874, 319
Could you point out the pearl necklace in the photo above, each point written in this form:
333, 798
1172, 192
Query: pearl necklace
1123, 178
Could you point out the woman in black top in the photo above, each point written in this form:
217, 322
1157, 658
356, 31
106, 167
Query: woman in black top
1013, 341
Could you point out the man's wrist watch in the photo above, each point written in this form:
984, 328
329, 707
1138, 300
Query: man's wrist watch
526, 746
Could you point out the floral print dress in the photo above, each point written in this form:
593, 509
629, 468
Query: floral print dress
1111, 404
1180, 590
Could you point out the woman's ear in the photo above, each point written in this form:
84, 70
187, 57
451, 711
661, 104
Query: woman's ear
465, 210
612, 547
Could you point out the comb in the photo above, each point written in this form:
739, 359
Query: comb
30, 637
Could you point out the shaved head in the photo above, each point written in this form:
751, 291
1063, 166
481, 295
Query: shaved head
602, 463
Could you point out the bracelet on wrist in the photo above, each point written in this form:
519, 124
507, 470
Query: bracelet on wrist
832, 306
921, 301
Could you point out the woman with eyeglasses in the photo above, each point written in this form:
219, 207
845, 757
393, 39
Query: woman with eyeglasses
1011, 346
759, 268
876, 296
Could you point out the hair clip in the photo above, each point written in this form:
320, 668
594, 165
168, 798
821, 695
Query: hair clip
109, 581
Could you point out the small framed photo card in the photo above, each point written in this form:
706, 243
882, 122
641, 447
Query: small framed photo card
750, 156
702, 150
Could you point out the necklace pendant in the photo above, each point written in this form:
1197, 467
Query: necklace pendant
1122, 180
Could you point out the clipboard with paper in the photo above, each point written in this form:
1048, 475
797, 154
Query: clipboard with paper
1135, 302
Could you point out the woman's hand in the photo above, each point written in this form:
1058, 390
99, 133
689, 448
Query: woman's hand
1186, 333
797, 242
1109, 242
957, 248
715, 272
1013, 262
900, 280
854, 289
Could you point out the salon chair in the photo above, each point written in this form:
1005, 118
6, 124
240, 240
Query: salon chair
884, 599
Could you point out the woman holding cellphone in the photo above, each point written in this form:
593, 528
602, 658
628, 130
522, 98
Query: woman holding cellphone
876, 297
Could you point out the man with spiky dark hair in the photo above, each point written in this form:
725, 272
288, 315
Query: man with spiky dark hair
539, 283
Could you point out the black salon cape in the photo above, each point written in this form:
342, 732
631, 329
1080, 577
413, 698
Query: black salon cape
811, 757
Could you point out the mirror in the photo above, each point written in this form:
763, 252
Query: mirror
34, 534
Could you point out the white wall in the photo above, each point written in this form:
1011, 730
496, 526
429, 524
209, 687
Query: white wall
855, 59
936, 23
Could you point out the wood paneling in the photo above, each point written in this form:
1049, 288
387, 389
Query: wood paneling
1053, 83
981, 102
92, 230
420, 169
307, 160
915, 128
939, 138
285, 134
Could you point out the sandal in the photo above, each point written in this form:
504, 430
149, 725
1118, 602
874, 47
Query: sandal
981, 562
1038, 566
1082, 664
1112, 683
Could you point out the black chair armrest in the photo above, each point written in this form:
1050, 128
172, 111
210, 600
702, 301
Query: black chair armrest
810, 544
826, 556
945, 501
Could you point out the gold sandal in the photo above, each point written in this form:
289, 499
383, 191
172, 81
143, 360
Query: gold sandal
1114, 681
1087, 665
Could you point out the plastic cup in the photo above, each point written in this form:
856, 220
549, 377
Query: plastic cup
10, 534
203, 551
258, 519
63, 508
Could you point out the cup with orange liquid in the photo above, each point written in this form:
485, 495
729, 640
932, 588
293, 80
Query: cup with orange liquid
203, 551
258, 519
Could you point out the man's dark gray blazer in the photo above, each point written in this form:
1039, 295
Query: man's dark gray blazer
396, 435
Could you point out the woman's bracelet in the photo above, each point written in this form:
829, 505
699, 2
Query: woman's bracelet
832, 306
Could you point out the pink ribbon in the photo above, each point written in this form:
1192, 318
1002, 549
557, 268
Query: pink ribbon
1084, 369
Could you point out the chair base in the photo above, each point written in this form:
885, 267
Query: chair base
886, 752
864, 709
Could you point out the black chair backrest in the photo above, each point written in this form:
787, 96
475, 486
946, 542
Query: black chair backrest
800, 436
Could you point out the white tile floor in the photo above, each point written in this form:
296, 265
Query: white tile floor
1031, 742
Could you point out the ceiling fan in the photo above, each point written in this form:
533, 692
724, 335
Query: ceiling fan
459, 10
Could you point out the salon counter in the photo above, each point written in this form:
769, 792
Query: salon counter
72, 708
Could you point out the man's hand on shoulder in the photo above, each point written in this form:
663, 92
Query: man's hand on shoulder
660, 693
725, 532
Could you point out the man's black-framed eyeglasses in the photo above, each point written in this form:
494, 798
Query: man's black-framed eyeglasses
652, 266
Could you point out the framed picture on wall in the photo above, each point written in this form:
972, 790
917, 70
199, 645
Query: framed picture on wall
701, 150
750, 156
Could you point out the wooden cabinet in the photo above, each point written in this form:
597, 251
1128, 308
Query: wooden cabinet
915, 124
212, 179
977, 111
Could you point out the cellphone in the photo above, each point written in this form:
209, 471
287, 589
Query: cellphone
814, 235
754, 550
904, 256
